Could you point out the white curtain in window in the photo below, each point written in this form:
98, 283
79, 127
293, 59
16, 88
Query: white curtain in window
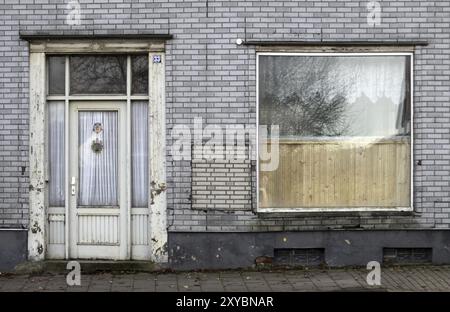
98, 176
56, 153
139, 153
377, 93
367, 94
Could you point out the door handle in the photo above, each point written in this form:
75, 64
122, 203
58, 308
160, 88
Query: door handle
73, 182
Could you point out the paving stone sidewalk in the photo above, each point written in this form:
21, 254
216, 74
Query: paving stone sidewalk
407, 278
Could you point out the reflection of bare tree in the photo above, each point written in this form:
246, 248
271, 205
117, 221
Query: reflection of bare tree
311, 114
98, 74
305, 96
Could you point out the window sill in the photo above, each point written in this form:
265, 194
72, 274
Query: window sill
334, 212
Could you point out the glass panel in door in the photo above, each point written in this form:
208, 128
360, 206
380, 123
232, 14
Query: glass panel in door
98, 158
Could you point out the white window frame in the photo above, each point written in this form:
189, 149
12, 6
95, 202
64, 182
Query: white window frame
338, 209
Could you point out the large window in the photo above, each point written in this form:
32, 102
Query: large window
344, 130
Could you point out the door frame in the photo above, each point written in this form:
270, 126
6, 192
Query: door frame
39, 48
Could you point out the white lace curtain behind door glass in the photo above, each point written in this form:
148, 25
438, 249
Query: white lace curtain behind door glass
139, 153
98, 175
56, 153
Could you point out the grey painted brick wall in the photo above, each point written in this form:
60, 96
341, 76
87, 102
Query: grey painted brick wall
221, 184
208, 75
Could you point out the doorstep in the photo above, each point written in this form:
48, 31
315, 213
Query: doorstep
88, 266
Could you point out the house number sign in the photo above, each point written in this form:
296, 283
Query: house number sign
156, 58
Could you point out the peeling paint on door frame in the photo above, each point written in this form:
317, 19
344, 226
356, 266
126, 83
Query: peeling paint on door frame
38, 187
158, 200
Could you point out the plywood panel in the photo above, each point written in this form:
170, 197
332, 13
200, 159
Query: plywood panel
344, 173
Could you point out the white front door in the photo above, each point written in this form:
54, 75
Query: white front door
97, 179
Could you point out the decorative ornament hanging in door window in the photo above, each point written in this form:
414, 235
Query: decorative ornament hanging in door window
97, 143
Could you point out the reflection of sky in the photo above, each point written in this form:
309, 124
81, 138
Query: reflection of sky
375, 77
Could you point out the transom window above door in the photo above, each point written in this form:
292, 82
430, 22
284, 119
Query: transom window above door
108, 74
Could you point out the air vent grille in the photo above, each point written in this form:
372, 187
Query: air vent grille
299, 256
407, 255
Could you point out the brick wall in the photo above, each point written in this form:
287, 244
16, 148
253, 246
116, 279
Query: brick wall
208, 75
221, 184
13, 122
